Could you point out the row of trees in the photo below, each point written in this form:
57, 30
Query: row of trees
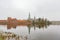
41, 21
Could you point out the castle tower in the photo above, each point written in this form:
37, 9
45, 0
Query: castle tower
29, 16
34, 19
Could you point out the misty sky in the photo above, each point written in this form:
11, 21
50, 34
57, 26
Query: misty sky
20, 9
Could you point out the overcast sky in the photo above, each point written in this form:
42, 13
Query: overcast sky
20, 9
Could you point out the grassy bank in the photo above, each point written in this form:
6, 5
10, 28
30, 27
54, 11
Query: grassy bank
1, 38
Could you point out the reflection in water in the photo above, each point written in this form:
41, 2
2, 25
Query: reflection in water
11, 26
36, 26
52, 32
28, 26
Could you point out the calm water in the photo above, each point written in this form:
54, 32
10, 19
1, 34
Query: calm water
51, 32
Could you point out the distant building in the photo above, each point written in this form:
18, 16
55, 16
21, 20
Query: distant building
12, 21
29, 18
3, 22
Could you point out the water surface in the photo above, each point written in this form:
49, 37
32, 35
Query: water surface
51, 32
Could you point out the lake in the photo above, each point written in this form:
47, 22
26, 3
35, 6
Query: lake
51, 32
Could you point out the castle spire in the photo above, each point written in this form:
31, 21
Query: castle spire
29, 16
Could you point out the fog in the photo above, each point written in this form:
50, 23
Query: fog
20, 9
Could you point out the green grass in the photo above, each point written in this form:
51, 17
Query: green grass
1, 38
